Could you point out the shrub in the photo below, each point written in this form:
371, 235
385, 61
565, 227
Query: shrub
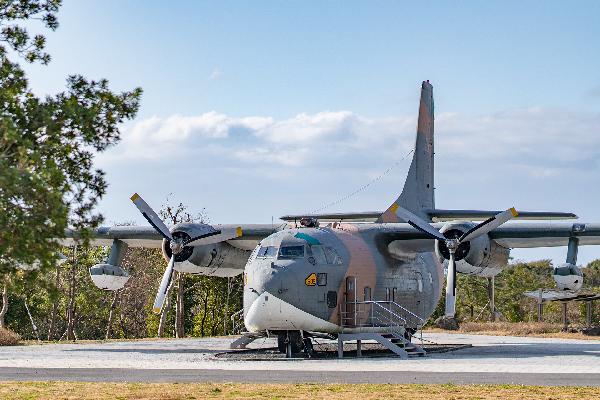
8, 338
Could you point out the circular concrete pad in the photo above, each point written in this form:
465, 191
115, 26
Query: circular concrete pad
492, 359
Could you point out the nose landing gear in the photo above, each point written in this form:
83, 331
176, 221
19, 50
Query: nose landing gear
293, 342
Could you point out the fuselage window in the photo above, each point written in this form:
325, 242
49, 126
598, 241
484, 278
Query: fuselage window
566, 271
267, 252
331, 299
289, 252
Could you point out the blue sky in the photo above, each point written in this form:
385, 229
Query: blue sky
259, 109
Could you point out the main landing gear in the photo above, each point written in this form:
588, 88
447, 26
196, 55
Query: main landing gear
294, 342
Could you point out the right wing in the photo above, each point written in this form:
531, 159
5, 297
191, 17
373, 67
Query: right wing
147, 236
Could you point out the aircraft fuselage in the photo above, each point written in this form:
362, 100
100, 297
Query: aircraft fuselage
302, 278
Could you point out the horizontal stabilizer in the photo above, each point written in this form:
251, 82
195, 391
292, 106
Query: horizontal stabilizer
561, 295
363, 216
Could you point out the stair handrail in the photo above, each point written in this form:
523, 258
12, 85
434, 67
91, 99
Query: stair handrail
420, 320
387, 312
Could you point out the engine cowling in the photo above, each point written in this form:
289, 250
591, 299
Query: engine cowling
568, 277
480, 256
216, 259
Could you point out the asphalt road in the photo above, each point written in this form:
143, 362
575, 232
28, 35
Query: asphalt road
212, 375
501, 360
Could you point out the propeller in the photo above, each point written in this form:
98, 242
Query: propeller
452, 244
177, 244
165, 282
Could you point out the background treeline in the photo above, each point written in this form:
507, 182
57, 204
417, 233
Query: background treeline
511, 304
202, 306
65, 304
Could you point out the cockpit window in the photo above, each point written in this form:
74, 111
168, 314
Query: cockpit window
332, 256
318, 253
267, 252
324, 255
288, 252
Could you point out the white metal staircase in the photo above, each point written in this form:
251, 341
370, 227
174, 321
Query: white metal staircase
385, 322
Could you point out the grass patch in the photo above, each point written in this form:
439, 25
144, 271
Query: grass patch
535, 329
174, 391
8, 338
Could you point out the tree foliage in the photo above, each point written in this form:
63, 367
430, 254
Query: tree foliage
16, 37
47, 146
208, 300
510, 284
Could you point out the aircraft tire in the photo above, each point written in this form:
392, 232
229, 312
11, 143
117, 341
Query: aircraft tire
294, 338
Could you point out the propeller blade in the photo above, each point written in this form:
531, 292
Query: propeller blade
164, 287
151, 216
216, 236
416, 222
451, 288
489, 224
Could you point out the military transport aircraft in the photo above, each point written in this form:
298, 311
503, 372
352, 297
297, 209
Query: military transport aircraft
366, 275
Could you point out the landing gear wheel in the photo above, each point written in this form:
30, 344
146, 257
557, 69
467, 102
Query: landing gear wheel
289, 342
308, 347
281, 342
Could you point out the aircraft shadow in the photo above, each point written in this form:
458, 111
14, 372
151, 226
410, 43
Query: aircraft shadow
150, 351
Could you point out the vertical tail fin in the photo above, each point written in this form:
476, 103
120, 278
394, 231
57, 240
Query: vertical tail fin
417, 194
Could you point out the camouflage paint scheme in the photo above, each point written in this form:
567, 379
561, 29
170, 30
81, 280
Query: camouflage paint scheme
416, 277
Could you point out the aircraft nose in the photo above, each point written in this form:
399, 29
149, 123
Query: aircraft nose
266, 279
271, 282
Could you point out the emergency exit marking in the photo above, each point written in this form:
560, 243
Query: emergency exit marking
311, 280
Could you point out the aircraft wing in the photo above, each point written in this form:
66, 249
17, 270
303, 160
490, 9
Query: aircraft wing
510, 235
436, 215
147, 236
518, 235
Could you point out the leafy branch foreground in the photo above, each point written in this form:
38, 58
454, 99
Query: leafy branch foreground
84, 390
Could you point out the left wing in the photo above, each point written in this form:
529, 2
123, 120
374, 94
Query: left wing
548, 234
510, 235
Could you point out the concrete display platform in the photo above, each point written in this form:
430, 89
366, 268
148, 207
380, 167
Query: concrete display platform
492, 359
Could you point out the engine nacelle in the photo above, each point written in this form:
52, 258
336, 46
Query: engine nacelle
108, 277
568, 277
480, 256
217, 259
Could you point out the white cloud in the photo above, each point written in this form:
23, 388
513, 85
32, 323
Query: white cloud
215, 74
539, 141
553, 135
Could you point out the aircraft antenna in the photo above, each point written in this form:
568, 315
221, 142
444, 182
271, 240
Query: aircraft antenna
363, 187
